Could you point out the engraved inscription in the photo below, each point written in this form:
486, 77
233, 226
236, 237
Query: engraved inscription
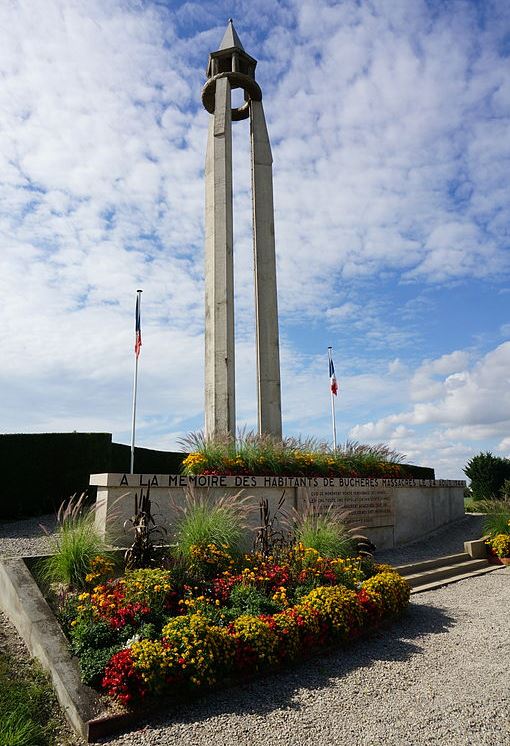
369, 507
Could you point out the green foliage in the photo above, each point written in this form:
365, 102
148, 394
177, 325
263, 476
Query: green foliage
263, 454
201, 522
93, 663
326, 532
246, 599
26, 706
90, 634
74, 546
17, 730
330, 538
487, 474
497, 516
149, 586
505, 490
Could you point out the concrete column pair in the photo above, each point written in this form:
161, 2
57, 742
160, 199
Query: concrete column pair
219, 272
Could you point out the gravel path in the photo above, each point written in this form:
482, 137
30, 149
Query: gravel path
27, 537
447, 540
439, 676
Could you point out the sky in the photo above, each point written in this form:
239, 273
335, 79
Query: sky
389, 123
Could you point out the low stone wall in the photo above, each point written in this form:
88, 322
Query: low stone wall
391, 512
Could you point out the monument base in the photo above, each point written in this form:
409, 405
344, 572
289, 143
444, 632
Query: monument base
391, 512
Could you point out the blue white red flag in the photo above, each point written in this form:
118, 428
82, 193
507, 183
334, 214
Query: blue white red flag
332, 378
138, 327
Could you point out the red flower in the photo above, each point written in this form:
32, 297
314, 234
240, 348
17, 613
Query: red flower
121, 681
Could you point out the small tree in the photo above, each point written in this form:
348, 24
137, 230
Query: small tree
487, 474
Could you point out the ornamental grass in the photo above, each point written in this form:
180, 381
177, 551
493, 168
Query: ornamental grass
74, 546
264, 455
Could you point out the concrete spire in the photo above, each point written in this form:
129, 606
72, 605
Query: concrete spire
231, 67
230, 38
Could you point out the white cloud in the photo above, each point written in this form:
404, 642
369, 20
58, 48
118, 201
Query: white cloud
462, 408
391, 156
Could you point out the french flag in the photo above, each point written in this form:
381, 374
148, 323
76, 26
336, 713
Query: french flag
138, 327
332, 378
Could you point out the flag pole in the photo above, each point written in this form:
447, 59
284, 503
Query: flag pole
333, 416
138, 344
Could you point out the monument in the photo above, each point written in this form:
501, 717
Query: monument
393, 511
231, 67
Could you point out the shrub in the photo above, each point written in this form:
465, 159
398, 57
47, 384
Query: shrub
339, 609
91, 634
196, 649
246, 599
505, 491
287, 630
93, 663
487, 474
257, 642
311, 628
121, 680
208, 560
392, 588
235, 623
150, 587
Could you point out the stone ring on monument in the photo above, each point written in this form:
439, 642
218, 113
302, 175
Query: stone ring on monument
236, 80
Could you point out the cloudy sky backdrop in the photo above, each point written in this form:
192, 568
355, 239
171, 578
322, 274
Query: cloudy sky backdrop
389, 124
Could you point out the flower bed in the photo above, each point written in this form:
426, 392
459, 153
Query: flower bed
152, 631
262, 455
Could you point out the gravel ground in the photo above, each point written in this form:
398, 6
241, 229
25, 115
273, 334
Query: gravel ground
438, 676
28, 537
448, 540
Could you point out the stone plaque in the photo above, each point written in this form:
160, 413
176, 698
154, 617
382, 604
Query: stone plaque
367, 506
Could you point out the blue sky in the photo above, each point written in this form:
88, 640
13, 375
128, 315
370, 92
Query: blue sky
389, 123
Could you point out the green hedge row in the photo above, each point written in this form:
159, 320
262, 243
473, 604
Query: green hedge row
38, 471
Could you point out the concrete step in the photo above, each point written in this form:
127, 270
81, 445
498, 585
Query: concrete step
416, 567
446, 571
433, 585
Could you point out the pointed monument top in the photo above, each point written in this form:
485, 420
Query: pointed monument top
230, 38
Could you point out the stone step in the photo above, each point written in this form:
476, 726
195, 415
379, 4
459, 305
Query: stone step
416, 567
433, 585
446, 571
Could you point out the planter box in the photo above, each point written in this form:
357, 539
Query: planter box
391, 511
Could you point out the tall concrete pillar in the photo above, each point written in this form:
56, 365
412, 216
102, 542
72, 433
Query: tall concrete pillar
219, 270
231, 67
266, 303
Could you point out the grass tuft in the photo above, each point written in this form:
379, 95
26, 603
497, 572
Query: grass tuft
497, 516
26, 704
200, 522
325, 531
74, 546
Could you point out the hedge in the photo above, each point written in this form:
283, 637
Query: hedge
40, 470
